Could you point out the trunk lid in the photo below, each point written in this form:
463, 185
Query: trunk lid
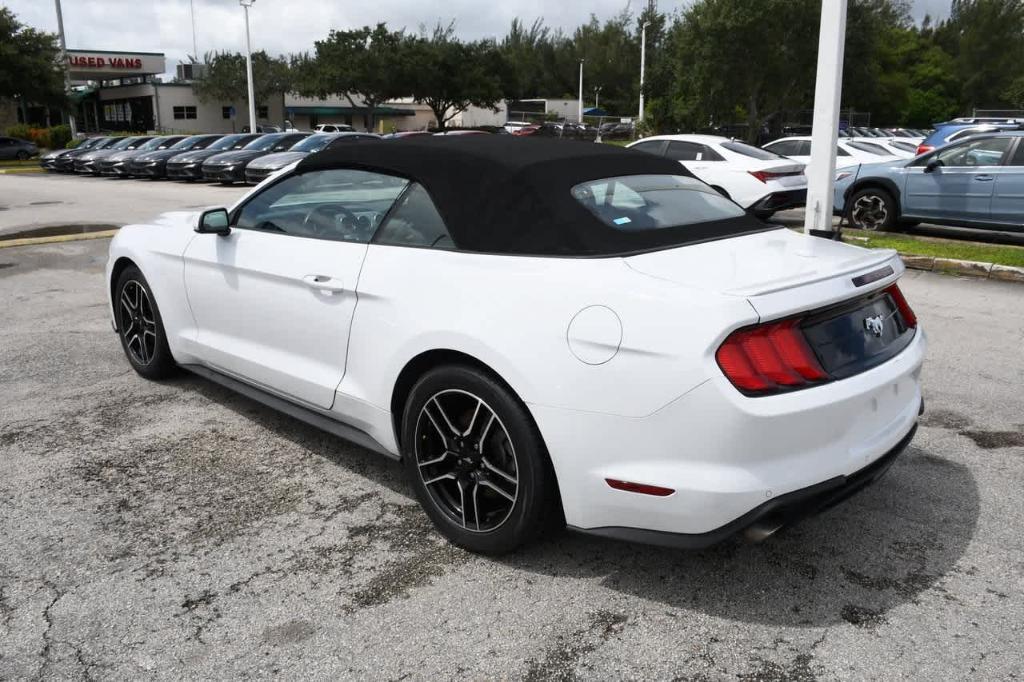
779, 272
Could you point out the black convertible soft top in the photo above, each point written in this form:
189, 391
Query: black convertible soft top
512, 195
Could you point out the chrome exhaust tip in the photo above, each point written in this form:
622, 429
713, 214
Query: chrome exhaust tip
760, 531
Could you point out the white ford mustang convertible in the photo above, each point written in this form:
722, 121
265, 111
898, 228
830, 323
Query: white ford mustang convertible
544, 332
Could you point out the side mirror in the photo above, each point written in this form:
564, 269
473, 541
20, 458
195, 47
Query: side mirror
932, 166
214, 221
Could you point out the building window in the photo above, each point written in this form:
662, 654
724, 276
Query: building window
184, 113
225, 112
262, 111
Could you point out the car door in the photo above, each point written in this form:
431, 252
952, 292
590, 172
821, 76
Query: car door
273, 299
8, 148
1008, 192
960, 187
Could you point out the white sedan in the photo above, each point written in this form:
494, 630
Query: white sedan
760, 181
544, 332
849, 152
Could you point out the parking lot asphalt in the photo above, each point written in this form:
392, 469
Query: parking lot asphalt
52, 199
177, 530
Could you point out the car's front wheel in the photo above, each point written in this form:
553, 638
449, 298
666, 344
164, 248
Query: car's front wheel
476, 461
140, 326
873, 208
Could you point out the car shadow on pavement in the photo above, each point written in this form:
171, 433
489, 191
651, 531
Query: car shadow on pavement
889, 545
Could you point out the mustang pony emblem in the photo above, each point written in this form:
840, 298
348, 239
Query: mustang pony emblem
875, 325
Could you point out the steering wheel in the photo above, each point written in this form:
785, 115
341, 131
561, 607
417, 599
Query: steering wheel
323, 219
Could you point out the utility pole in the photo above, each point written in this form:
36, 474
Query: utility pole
828, 90
597, 97
67, 74
195, 43
580, 113
246, 4
643, 63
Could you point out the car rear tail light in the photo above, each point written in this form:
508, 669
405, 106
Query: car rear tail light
641, 488
924, 149
909, 318
765, 176
769, 358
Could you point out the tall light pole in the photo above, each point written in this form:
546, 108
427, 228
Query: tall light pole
597, 96
67, 75
828, 89
246, 4
643, 64
580, 113
195, 43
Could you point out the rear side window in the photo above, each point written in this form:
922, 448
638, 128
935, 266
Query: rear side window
1018, 157
635, 203
785, 147
415, 222
651, 147
869, 147
751, 151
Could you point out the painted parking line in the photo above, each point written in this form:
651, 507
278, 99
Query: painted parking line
31, 241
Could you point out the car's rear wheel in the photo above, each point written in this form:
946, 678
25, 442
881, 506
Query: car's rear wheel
140, 326
873, 208
476, 461
23, 155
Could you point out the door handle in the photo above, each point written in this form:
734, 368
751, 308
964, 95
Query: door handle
984, 178
324, 283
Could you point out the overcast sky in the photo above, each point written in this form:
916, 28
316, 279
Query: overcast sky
287, 26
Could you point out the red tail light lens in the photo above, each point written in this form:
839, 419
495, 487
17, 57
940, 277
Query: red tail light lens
924, 149
909, 318
769, 358
765, 176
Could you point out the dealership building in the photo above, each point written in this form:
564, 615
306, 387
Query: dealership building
122, 91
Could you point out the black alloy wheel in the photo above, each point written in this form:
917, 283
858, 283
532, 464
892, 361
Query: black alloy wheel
873, 209
476, 460
140, 326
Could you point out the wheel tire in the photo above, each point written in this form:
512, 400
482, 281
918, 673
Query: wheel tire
511, 443
22, 155
873, 208
135, 308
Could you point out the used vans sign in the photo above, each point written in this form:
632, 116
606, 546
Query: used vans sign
105, 62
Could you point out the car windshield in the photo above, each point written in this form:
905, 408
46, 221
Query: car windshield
869, 148
187, 143
748, 150
124, 143
225, 142
314, 143
635, 203
153, 144
264, 142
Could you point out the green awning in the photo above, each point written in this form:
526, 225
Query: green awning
349, 111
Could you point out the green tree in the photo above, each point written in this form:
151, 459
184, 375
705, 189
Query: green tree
225, 78
369, 63
986, 38
31, 71
451, 75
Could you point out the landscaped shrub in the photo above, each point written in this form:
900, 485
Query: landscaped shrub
59, 136
54, 137
20, 131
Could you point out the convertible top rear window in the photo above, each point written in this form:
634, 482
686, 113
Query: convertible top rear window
651, 202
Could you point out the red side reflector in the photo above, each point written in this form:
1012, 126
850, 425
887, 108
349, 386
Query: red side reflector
641, 488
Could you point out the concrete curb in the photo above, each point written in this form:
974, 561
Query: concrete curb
964, 268
15, 171
78, 236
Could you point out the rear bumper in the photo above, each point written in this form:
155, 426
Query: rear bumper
780, 201
772, 516
726, 455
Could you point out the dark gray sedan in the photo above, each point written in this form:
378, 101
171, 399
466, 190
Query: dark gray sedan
13, 148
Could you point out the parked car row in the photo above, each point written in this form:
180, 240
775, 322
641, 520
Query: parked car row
759, 180
212, 157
